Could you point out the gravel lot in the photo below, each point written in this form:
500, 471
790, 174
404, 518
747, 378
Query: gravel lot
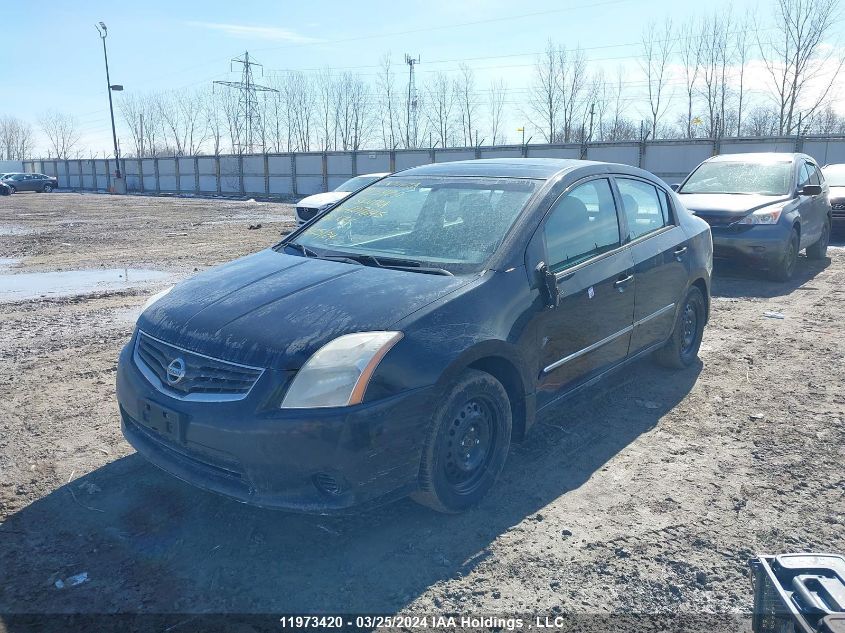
645, 496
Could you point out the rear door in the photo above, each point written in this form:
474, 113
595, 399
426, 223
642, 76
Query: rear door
590, 330
661, 259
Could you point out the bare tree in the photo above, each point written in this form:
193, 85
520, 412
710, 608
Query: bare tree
62, 132
761, 121
690, 54
496, 106
183, 121
714, 61
544, 98
741, 51
440, 101
16, 139
298, 93
388, 103
796, 58
572, 70
619, 127
467, 99
657, 53
328, 94
353, 121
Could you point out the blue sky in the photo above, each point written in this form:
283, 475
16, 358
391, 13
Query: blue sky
57, 55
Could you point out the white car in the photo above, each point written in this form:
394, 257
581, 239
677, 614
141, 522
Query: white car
308, 207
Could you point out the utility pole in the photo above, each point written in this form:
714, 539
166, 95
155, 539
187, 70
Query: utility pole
249, 116
412, 99
141, 134
103, 31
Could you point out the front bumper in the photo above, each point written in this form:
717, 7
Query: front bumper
315, 460
762, 245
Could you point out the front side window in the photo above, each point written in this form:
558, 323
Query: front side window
804, 177
440, 221
643, 207
581, 225
740, 177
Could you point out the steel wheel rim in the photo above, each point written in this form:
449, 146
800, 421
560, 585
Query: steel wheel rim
689, 327
468, 446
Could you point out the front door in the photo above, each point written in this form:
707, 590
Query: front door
811, 207
660, 252
590, 329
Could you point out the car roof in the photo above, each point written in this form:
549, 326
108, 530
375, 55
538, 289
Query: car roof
380, 174
759, 157
537, 168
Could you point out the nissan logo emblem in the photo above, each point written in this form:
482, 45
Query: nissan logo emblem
175, 371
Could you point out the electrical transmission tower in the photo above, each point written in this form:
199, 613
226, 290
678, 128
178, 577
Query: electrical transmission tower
249, 115
411, 113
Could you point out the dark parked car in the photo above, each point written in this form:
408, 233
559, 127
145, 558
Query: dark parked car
364, 358
835, 177
5, 190
762, 208
31, 182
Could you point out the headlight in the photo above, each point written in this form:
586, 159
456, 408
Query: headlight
156, 297
766, 215
337, 374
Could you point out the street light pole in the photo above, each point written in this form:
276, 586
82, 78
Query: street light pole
103, 31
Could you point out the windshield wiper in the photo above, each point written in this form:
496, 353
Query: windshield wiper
400, 264
306, 252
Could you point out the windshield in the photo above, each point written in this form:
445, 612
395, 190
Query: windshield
433, 220
354, 184
771, 179
835, 175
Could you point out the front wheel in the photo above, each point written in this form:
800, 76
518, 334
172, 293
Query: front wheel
47, 188
785, 266
819, 249
12, 189
681, 350
468, 444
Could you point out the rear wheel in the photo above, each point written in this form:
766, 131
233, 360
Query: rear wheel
819, 249
785, 267
467, 445
681, 350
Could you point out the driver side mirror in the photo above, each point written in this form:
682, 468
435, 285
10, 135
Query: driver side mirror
547, 281
810, 190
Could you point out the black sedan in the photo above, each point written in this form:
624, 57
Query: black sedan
398, 343
763, 208
30, 182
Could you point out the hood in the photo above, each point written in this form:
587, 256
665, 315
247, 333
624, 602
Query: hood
319, 199
726, 204
275, 310
837, 193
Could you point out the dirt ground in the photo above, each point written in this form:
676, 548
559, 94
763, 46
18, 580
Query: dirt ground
647, 495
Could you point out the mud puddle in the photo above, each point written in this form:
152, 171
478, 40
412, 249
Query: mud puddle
69, 283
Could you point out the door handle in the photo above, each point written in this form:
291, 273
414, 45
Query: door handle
679, 252
622, 282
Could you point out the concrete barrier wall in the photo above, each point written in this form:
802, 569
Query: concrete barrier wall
295, 175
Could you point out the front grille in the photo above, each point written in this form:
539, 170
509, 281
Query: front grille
306, 213
203, 376
718, 220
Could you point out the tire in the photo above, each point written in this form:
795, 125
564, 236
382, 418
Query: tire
12, 189
475, 416
819, 249
681, 350
785, 267
47, 189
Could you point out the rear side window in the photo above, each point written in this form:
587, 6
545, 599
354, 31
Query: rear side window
645, 209
581, 225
